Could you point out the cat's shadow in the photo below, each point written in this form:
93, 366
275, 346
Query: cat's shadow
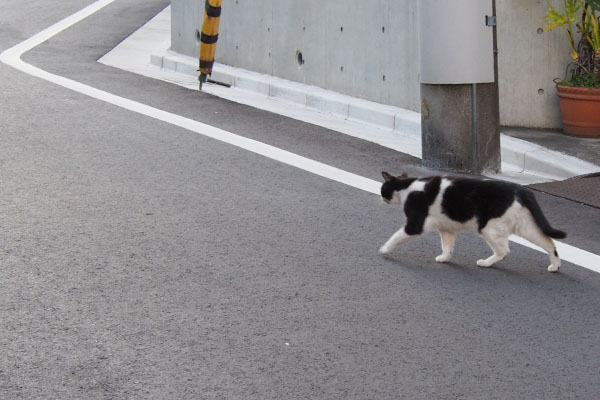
510, 276
465, 270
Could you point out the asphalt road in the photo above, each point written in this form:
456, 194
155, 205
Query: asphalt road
139, 260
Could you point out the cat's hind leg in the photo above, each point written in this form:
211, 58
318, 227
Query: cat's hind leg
397, 239
535, 236
498, 242
448, 239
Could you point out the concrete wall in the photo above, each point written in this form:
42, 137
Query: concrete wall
528, 61
371, 49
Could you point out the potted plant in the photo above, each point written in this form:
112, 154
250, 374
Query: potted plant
579, 91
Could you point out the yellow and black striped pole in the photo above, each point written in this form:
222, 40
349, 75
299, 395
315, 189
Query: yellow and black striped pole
208, 38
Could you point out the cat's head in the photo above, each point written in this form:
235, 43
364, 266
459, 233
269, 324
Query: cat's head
390, 190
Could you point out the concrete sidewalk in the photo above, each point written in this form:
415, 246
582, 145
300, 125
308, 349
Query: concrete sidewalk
528, 156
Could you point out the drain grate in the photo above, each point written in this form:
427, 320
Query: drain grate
583, 189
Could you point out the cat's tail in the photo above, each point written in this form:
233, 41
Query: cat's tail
527, 199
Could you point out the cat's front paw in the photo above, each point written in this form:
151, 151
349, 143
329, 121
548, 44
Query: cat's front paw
385, 250
484, 263
553, 268
442, 258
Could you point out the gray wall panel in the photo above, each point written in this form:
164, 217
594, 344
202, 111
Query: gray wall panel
265, 36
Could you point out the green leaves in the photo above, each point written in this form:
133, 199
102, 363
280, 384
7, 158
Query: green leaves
566, 20
593, 34
590, 81
595, 4
579, 22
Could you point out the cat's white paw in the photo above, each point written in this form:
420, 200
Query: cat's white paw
553, 268
384, 250
443, 258
484, 263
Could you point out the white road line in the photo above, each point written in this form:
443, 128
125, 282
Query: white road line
567, 252
13, 55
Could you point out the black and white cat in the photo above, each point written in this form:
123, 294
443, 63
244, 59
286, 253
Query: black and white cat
495, 209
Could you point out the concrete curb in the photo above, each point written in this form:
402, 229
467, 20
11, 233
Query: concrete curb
550, 164
325, 101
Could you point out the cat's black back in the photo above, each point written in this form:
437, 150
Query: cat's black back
483, 199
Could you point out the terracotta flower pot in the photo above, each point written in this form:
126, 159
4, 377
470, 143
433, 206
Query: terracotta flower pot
580, 109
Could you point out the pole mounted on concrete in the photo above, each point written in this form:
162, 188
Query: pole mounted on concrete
459, 87
208, 38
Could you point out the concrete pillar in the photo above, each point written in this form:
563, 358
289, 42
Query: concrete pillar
459, 87
457, 134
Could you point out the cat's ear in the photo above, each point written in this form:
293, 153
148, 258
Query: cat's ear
387, 176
